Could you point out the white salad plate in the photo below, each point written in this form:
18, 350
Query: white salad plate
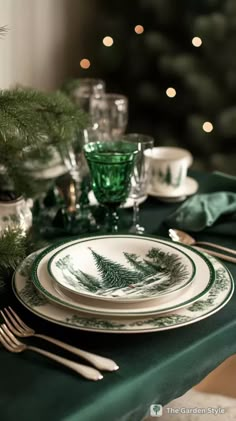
216, 297
189, 188
202, 281
122, 268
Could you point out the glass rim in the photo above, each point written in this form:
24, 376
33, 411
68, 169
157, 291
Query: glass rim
91, 79
97, 147
110, 96
138, 138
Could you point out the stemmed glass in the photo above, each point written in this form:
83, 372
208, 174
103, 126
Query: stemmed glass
80, 91
111, 166
141, 175
83, 89
110, 112
78, 210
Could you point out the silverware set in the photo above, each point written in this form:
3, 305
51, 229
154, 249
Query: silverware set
14, 326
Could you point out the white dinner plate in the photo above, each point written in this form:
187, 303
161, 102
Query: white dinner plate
118, 268
216, 298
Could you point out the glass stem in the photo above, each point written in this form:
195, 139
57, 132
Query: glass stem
77, 183
112, 219
135, 213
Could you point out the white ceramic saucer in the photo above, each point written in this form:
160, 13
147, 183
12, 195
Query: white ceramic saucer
190, 187
129, 203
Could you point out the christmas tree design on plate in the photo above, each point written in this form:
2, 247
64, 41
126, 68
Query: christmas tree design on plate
76, 277
141, 276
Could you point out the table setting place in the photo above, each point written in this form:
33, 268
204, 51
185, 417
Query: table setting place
122, 239
113, 281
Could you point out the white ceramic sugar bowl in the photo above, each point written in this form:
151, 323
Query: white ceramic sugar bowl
16, 213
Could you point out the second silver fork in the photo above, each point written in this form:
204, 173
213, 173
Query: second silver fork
9, 341
19, 328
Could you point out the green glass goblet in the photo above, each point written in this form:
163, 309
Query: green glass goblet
111, 165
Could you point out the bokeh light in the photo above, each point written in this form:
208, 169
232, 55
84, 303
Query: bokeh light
85, 63
207, 126
139, 29
196, 41
108, 41
171, 92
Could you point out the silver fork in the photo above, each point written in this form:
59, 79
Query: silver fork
12, 344
19, 328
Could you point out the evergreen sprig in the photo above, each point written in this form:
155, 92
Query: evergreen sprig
70, 86
12, 251
29, 117
30, 123
15, 245
12, 248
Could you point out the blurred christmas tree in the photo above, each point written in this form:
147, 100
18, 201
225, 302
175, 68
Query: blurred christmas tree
175, 61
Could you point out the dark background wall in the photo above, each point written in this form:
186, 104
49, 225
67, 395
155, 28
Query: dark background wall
143, 66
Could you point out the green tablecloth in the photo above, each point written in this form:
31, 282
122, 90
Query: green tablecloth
154, 367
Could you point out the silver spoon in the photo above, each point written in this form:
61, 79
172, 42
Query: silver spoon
183, 237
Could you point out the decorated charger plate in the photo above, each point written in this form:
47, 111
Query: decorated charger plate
216, 298
119, 268
202, 282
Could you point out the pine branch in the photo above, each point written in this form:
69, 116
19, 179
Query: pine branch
70, 86
12, 248
12, 252
32, 117
31, 123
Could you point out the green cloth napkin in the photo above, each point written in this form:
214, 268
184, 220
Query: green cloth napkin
216, 209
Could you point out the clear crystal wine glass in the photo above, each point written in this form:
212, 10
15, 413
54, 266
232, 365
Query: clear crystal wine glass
80, 91
85, 88
141, 175
110, 112
111, 166
76, 164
